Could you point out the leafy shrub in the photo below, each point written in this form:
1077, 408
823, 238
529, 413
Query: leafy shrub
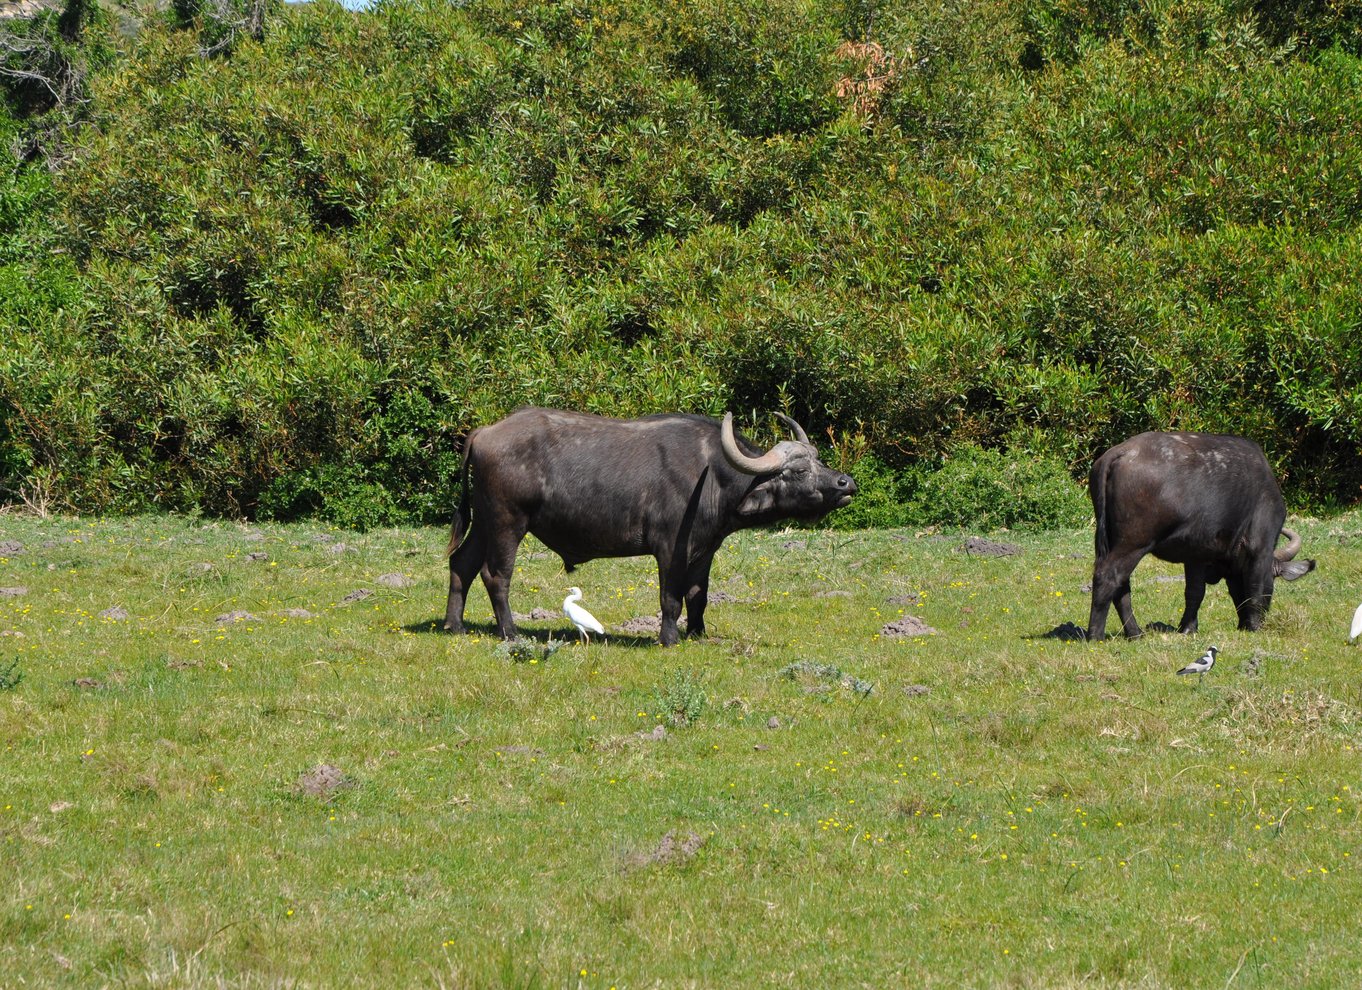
992, 489
881, 497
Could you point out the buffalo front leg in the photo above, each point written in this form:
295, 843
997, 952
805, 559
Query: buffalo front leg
1252, 594
464, 563
1192, 596
671, 591
697, 596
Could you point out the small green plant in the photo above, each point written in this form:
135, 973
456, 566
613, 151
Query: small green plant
682, 699
11, 676
528, 650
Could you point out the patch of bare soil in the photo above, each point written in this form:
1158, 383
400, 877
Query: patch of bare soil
647, 625
519, 749
912, 600
913, 690
358, 595
236, 616
297, 613
909, 625
674, 847
10, 548
720, 598
977, 546
118, 613
321, 782
14, 592
539, 614
394, 580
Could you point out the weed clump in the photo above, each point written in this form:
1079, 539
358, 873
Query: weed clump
529, 651
813, 673
11, 676
682, 699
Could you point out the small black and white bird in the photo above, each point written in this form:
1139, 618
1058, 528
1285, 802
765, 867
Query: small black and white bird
1202, 664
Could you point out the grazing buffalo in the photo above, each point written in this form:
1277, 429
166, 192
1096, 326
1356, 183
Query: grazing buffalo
1205, 501
672, 486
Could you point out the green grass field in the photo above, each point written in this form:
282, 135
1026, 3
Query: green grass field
996, 809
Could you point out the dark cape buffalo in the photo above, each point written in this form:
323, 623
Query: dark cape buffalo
671, 486
1205, 501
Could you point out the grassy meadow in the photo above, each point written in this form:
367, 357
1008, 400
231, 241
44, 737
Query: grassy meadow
822, 805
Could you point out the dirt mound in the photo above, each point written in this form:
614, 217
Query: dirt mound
540, 614
913, 600
10, 548
977, 546
118, 613
394, 580
358, 595
296, 613
909, 625
13, 592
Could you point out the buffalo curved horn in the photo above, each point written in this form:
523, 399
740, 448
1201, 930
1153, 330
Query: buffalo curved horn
1293, 546
772, 460
795, 428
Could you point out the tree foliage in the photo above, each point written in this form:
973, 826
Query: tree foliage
281, 273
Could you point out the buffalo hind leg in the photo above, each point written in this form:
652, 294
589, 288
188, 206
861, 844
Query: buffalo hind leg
464, 563
499, 566
1111, 583
1192, 597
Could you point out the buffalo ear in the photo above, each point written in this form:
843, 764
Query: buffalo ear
759, 499
1291, 569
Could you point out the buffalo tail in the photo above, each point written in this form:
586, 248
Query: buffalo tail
1097, 489
460, 526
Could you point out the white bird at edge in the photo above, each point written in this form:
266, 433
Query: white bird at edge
580, 617
1201, 664
1357, 625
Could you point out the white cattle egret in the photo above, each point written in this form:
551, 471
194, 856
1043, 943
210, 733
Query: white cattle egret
1357, 625
580, 617
1201, 664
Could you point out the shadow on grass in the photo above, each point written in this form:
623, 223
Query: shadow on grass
1068, 632
489, 629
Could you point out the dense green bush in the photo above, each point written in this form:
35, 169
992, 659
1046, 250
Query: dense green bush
292, 253
990, 489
